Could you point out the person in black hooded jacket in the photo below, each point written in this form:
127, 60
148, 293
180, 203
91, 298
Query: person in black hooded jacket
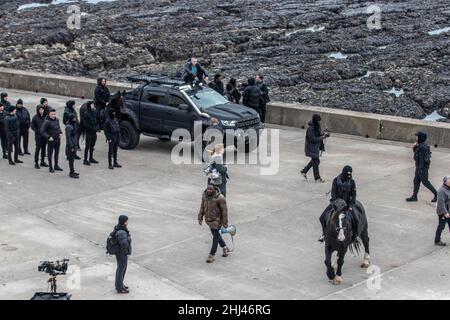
71, 143
101, 94
217, 84
68, 111
12, 128
251, 97
25, 121
41, 142
422, 159
3, 140
91, 126
51, 131
4, 100
194, 72
112, 131
344, 187
123, 238
314, 144
234, 91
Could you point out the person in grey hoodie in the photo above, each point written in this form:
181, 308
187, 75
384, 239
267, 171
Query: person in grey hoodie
443, 210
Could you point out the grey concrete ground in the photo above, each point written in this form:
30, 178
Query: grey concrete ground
277, 255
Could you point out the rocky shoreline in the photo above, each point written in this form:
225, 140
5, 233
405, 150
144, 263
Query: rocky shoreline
316, 52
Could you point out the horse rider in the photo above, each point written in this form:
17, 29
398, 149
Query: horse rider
344, 187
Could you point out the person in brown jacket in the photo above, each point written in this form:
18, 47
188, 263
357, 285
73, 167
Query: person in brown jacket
214, 210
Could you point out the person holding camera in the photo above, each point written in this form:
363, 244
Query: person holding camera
314, 145
215, 212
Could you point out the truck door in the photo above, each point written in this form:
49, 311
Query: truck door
152, 108
176, 118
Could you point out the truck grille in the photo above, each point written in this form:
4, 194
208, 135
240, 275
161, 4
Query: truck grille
247, 123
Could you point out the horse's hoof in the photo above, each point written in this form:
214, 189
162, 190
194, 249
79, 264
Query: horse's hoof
337, 280
365, 265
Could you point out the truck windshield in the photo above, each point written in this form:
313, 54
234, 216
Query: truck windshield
206, 98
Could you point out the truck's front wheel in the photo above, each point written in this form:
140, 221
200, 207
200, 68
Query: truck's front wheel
129, 137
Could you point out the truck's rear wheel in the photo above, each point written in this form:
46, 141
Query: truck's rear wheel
129, 137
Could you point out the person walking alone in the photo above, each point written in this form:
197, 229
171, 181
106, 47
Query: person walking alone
214, 211
443, 210
314, 145
422, 159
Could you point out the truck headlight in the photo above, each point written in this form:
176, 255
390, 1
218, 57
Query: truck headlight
229, 123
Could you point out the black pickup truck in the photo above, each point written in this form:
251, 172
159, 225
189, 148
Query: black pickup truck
160, 105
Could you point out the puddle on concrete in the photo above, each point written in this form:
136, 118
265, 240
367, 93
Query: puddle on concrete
337, 55
395, 92
439, 31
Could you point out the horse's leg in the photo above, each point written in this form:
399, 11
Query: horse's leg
330, 271
365, 239
340, 263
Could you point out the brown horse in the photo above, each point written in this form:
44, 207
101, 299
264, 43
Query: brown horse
341, 233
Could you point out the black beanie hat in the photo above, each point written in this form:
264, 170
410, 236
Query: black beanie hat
122, 219
3, 95
20, 101
316, 118
422, 136
43, 100
251, 81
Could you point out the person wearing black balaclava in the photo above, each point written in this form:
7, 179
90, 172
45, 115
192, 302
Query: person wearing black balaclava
314, 145
123, 238
71, 143
70, 110
3, 141
101, 94
112, 131
91, 126
343, 187
51, 131
25, 122
422, 159
12, 128
41, 142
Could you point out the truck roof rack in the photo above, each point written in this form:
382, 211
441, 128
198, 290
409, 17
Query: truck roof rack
160, 79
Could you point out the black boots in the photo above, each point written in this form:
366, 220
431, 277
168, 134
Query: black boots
411, 199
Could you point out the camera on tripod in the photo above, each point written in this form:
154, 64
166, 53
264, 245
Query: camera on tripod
54, 269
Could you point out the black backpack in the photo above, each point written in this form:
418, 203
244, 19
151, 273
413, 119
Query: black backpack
112, 245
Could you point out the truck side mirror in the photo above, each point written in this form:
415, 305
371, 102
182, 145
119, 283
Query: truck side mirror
183, 107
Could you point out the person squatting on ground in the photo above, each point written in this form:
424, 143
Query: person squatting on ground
91, 126
252, 96
70, 110
112, 133
123, 238
24, 120
264, 96
443, 210
314, 145
193, 72
422, 159
343, 187
71, 143
3, 141
41, 142
51, 131
215, 212
12, 128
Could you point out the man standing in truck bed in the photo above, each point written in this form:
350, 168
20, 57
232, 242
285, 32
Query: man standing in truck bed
194, 72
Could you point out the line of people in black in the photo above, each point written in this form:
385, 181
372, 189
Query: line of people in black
254, 93
15, 124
